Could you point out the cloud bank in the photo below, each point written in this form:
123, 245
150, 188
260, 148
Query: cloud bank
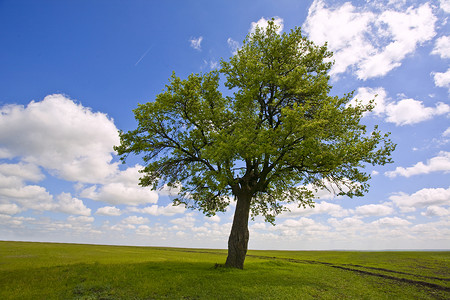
372, 39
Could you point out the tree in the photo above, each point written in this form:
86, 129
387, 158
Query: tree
276, 139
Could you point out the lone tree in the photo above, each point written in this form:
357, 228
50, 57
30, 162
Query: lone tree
276, 140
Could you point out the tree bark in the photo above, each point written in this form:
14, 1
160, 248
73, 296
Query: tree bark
238, 240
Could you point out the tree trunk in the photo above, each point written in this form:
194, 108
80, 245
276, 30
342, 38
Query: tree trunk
238, 240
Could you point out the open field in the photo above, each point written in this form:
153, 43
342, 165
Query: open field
70, 271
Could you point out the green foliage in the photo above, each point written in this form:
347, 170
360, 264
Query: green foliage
278, 137
64, 271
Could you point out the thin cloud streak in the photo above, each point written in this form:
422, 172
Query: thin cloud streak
143, 55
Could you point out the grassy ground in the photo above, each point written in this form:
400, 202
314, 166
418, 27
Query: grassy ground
67, 271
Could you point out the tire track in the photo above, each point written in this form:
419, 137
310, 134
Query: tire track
347, 268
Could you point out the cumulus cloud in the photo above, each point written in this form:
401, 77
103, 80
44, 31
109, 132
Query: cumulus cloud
352, 223
37, 198
366, 94
135, 220
410, 111
442, 47
22, 172
9, 209
439, 163
196, 43
422, 198
256, 226
445, 5
442, 79
374, 210
323, 207
188, 221
263, 23
68, 141
108, 211
13, 222
28, 197
80, 219
402, 112
370, 40
156, 210
59, 136
214, 218
69, 205
306, 225
122, 188
391, 222
434, 210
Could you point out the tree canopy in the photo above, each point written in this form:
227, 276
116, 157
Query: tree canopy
276, 137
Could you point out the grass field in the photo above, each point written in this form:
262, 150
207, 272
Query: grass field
70, 271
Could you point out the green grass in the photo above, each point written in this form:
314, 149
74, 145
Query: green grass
68, 271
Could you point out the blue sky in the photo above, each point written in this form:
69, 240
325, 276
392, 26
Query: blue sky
71, 72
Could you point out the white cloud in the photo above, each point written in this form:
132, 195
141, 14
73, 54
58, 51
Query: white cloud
122, 188
29, 197
323, 207
410, 111
445, 5
263, 23
13, 222
407, 29
391, 222
9, 209
352, 223
22, 171
301, 227
108, 211
421, 198
344, 29
306, 225
188, 221
69, 205
212, 64
13, 189
170, 191
302, 222
119, 193
156, 210
441, 162
214, 218
256, 226
80, 219
372, 40
374, 210
196, 43
135, 220
66, 138
366, 94
446, 132
434, 210
442, 47
234, 46
38, 198
403, 112
10, 182
121, 227
442, 79
144, 230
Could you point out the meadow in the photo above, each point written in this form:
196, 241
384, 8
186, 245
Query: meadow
73, 271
